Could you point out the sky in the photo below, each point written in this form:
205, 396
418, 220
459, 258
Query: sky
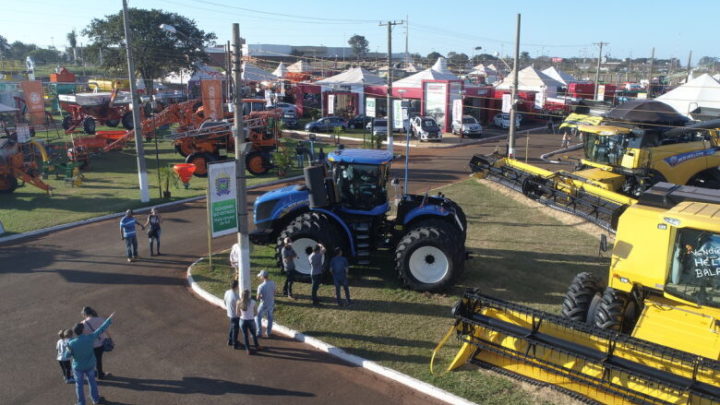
551, 28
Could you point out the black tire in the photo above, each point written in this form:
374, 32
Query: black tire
179, 150
66, 122
127, 120
257, 163
200, 160
616, 311
8, 184
112, 123
306, 231
434, 267
89, 125
584, 289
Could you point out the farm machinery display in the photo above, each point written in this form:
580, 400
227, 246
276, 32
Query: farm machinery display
21, 161
345, 204
652, 336
85, 109
619, 164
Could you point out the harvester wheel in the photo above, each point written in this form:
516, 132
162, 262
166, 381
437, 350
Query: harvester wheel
425, 259
112, 123
584, 292
66, 122
306, 231
127, 120
8, 183
89, 125
200, 160
616, 311
257, 163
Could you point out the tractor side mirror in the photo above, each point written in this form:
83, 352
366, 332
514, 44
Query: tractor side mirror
603, 243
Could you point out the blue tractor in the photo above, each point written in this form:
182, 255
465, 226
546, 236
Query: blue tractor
344, 203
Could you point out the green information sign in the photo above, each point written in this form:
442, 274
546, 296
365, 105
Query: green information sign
222, 198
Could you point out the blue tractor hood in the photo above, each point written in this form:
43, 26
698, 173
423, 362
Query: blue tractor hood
276, 203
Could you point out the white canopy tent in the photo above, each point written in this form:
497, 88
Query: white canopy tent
300, 67
438, 71
281, 71
559, 75
700, 92
352, 76
253, 73
531, 79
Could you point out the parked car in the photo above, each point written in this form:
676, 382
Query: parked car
379, 126
290, 119
468, 127
502, 120
326, 124
425, 129
287, 107
359, 121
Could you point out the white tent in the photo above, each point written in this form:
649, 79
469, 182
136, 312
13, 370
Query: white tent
482, 70
5, 109
253, 73
438, 71
559, 75
531, 79
411, 68
702, 91
281, 70
352, 76
300, 67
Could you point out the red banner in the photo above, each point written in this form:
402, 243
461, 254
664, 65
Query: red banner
212, 98
33, 96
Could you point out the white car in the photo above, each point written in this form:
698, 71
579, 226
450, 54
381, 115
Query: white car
379, 126
425, 129
468, 127
502, 120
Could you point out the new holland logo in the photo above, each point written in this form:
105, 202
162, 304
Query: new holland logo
222, 185
684, 157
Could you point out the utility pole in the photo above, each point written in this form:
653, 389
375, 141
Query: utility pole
689, 69
650, 72
240, 146
139, 148
389, 25
514, 91
407, 53
597, 69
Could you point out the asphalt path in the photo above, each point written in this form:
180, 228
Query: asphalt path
170, 344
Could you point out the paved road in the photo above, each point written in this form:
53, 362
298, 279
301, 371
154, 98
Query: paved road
170, 345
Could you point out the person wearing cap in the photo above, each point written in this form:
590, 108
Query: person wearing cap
128, 233
288, 258
266, 297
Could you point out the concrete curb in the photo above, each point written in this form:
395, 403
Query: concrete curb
61, 227
357, 361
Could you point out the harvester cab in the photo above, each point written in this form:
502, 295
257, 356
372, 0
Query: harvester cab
344, 203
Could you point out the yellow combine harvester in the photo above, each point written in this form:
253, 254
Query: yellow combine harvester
652, 336
619, 164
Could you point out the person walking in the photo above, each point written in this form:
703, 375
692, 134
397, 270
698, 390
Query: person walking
83, 360
246, 308
316, 267
266, 297
231, 299
63, 354
565, 141
339, 266
92, 322
153, 225
128, 233
288, 259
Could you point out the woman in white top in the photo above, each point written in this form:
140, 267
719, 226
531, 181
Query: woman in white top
92, 321
246, 309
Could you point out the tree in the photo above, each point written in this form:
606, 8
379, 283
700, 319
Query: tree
19, 50
457, 60
524, 56
156, 52
359, 45
4, 46
707, 61
433, 56
44, 56
72, 40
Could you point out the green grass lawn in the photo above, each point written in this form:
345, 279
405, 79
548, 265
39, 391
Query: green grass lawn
398, 328
110, 185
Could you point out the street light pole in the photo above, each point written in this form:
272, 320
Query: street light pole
137, 125
514, 91
597, 69
389, 85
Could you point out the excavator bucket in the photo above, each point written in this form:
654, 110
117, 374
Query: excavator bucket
574, 357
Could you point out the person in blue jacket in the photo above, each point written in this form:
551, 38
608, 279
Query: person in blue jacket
83, 360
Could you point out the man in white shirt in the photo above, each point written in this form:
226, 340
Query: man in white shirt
266, 297
231, 299
235, 257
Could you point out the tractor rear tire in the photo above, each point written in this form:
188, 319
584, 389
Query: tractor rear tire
426, 259
583, 291
112, 123
201, 161
8, 184
257, 163
89, 125
127, 120
66, 122
306, 231
616, 311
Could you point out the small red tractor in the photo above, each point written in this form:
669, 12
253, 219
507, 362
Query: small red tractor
85, 109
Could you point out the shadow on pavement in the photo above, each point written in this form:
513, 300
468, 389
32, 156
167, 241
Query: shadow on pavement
198, 385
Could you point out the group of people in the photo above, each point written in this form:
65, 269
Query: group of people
80, 353
128, 233
245, 315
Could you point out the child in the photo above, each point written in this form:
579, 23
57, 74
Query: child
63, 354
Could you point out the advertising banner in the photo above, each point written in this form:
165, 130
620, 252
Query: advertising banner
457, 109
506, 103
398, 116
435, 104
370, 107
601, 92
33, 96
212, 98
222, 198
331, 104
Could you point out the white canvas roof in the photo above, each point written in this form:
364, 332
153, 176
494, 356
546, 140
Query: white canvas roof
438, 71
702, 91
559, 75
356, 75
530, 79
4, 108
281, 70
300, 67
253, 73
482, 70
411, 68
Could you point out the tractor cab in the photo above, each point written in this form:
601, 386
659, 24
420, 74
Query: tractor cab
360, 179
606, 145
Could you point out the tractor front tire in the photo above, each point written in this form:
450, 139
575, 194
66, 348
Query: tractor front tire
306, 231
201, 161
67, 122
89, 125
127, 120
584, 291
8, 183
616, 311
426, 259
257, 163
